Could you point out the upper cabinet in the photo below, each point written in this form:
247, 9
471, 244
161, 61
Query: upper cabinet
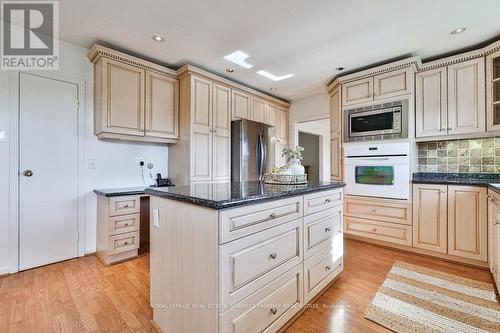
134, 99
451, 100
386, 85
466, 91
258, 109
241, 104
493, 91
271, 110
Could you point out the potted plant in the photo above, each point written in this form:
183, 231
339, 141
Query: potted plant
293, 157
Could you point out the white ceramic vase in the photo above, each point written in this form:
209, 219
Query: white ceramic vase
295, 166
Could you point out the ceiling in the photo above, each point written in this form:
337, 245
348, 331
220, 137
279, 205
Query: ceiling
307, 38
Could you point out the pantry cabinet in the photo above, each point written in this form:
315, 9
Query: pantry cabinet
335, 135
451, 219
221, 104
493, 91
134, 99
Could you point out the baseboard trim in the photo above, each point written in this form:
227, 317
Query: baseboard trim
4, 271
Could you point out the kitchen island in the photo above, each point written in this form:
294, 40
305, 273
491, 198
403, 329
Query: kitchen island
241, 257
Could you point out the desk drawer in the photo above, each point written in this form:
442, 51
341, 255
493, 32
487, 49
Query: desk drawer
240, 222
123, 223
379, 210
250, 263
124, 242
124, 205
267, 309
321, 227
388, 232
319, 201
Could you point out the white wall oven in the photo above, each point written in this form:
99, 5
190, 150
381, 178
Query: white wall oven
377, 122
378, 170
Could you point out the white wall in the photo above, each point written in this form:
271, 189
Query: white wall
116, 161
311, 115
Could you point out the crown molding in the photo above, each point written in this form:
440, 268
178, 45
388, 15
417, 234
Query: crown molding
192, 70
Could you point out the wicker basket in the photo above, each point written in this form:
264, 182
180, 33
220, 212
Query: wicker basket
277, 179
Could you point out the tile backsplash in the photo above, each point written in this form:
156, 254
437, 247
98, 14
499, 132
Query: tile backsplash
468, 155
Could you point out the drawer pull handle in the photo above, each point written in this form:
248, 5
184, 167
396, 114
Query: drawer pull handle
272, 255
126, 224
374, 230
328, 229
374, 210
327, 268
274, 311
125, 243
273, 215
125, 205
327, 201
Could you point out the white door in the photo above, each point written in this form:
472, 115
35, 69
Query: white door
48, 186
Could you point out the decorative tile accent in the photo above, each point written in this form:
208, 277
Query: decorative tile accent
469, 155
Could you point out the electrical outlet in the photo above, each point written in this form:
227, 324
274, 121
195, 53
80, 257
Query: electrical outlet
138, 160
92, 164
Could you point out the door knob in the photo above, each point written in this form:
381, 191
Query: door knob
28, 173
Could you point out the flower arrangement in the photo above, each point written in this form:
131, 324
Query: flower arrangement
292, 153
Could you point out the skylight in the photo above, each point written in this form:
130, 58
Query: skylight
275, 77
238, 57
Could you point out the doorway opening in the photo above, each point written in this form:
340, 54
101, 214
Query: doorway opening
310, 143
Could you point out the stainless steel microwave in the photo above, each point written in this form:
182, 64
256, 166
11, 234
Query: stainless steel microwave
385, 121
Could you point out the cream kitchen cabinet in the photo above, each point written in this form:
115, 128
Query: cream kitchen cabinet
466, 97
221, 132
133, 99
494, 234
336, 134
281, 135
386, 85
451, 219
493, 92
257, 110
431, 104
241, 104
271, 111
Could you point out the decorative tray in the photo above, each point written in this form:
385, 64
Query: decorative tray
275, 178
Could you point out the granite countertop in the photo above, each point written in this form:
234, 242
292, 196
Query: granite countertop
226, 195
490, 180
118, 192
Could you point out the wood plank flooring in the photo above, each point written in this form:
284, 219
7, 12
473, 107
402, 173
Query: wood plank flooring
82, 295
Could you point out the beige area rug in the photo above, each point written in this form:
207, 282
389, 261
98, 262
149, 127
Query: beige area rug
418, 299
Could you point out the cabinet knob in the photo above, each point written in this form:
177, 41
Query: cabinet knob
327, 268
126, 224
374, 230
328, 229
374, 210
443, 191
273, 215
327, 200
273, 256
274, 311
126, 243
28, 173
125, 205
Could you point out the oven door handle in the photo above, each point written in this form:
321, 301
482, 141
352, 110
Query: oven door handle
374, 159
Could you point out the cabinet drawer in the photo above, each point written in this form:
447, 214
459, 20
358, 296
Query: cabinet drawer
388, 232
383, 211
124, 205
240, 222
123, 223
250, 263
123, 242
267, 309
317, 202
320, 228
319, 270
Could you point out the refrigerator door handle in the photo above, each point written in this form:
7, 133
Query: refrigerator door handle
261, 155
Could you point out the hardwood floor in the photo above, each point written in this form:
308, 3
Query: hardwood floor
82, 295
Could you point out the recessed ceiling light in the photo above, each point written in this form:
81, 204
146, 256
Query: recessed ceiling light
238, 57
275, 77
158, 38
339, 68
458, 31
273, 89
229, 70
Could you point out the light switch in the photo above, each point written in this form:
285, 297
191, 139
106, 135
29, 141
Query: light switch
156, 218
3, 136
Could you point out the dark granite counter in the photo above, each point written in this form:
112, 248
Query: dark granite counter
226, 195
117, 192
490, 180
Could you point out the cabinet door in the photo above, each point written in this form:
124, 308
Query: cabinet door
122, 98
221, 132
162, 106
201, 130
467, 222
357, 92
283, 124
430, 217
466, 97
335, 135
258, 110
431, 111
493, 92
395, 83
271, 110
241, 105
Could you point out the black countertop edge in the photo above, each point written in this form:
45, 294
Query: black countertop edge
238, 201
118, 192
474, 179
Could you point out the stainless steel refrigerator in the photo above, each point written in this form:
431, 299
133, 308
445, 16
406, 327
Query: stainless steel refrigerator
252, 150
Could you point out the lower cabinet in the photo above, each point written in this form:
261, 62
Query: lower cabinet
494, 234
451, 220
